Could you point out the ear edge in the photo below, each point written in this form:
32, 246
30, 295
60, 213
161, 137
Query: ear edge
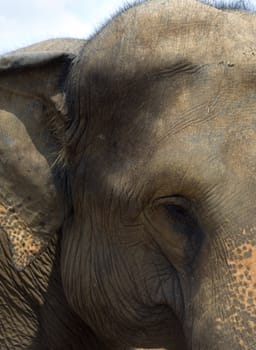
20, 61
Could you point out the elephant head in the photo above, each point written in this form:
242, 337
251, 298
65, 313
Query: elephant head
154, 128
162, 243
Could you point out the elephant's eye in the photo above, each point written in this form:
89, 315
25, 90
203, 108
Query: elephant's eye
177, 206
184, 224
179, 214
180, 217
177, 229
176, 211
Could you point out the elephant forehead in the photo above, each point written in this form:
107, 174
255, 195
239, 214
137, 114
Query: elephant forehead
168, 84
157, 31
145, 85
203, 120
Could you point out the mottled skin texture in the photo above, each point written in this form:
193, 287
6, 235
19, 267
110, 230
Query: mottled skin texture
153, 192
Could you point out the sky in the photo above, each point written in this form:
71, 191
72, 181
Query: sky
24, 22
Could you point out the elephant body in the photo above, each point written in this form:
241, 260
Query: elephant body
128, 188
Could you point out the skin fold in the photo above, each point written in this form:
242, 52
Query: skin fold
134, 215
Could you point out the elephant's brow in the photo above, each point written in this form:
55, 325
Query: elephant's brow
174, 68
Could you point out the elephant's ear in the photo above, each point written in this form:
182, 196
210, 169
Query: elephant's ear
32, 119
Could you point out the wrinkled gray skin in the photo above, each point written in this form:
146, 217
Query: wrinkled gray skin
34, 313
142, 161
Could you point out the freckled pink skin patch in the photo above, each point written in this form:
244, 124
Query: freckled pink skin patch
241, 290
25, 244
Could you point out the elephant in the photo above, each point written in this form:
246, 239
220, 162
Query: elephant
128, 187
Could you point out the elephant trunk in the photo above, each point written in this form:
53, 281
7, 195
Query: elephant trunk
222, 307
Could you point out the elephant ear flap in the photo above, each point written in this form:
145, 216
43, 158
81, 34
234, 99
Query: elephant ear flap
33, 116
